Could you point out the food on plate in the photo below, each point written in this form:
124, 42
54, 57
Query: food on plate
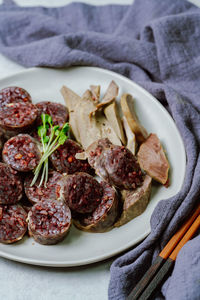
127, 105
51, 174
10, 185
152, 159
14, 94
22, 153
115, 164
51, 138
13, 225
112, 115
1, 141
72, 101
135, 201
17, 118
130, 136
64, 160
49, 222
110, 95
104, 216
86, 127
58, 112
95, 89
38, 193
80, 191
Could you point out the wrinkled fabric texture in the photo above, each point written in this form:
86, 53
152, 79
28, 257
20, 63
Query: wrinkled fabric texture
156, 44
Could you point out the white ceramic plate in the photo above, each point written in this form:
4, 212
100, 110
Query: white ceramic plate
79, 247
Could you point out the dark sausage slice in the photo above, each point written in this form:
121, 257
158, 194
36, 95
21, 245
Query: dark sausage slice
21, 153
10, 185
14, 94
81, 192
115, 164
64, 161
13, 225
57, 111
104, 216
135, 202
17, 117
1, 141
36, 193
49, 222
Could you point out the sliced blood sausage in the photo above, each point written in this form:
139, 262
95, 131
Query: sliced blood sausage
35, 193
10, 185
49, 222
14, 94
104, 216
13, 225
115, 164
21, 153
17, 117
81, 192
1, 142
64, 161
57, 111
135, 202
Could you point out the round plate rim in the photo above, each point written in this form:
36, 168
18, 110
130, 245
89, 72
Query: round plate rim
128, 245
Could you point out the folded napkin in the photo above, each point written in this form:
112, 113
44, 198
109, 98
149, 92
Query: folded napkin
156, 44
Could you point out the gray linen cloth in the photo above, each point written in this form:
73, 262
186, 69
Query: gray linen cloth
157, 44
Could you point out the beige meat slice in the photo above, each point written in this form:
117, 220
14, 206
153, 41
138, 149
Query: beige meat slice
130, 136
95, 127
95, 89
127, 105
72, 101
106, 129
112, 115
152, 159
88, 127
110, 95
135, 202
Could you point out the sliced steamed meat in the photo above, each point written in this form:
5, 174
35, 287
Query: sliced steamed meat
104, 216
10, 185
81, 192
13, 225
17, 118
14, 94
57, 111
115, 164
135, 201
22, 153
49, 222
35, 193
64, 161
152, 159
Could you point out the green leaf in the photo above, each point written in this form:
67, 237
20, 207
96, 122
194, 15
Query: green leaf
49, 120
42, 131
62, 139
46, 139
50, 143
44, 118
65, 128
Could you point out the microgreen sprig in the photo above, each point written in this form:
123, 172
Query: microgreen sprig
50, 143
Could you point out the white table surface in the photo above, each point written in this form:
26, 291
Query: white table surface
25, 282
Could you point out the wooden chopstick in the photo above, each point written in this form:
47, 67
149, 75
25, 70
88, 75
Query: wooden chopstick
164, 254
169, 262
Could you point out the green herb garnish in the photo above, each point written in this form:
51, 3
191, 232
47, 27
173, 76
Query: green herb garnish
50, 143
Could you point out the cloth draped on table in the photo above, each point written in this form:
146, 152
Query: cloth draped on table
156, 44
